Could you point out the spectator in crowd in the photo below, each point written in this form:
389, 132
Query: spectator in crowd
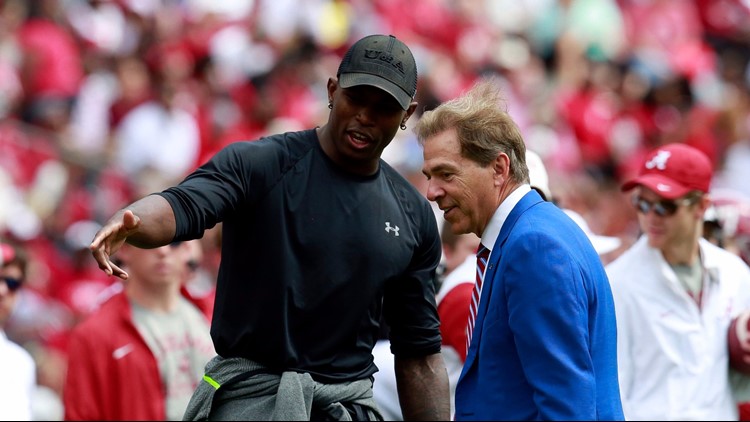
538, 176
142, 353
541, 332
676, 294
319, 237
16, 364
157, 141
726, 222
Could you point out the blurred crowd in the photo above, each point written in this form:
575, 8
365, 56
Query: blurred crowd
104, 101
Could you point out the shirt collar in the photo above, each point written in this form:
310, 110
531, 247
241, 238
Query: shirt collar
492, 231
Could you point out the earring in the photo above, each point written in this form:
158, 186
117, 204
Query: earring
330, 105
403, 126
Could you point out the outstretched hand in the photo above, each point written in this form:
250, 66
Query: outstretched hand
110, 238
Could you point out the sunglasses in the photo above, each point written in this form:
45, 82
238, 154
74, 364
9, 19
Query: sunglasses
663, 208
12, 283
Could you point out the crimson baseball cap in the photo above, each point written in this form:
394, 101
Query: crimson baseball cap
382, 61
674, 170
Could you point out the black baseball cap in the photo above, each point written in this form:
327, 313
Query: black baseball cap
382, 61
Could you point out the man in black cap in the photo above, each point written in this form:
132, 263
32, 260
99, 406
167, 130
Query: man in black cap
319, 237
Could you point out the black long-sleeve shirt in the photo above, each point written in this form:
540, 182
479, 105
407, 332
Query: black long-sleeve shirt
311, 255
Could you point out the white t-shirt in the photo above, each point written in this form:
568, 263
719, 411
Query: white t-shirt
181, 343
150, 136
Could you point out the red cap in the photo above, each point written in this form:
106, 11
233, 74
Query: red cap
673, 171
7, 254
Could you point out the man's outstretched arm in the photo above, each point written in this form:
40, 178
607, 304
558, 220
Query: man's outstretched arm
146, 223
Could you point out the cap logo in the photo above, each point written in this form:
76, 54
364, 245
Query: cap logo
384, 57
659, 161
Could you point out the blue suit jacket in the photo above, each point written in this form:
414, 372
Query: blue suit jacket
545, 341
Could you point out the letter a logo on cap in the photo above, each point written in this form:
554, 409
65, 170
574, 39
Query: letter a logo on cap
658, 161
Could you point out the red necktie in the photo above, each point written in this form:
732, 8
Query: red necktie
482, 256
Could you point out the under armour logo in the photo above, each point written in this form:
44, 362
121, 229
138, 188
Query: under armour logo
393, 229
659, 161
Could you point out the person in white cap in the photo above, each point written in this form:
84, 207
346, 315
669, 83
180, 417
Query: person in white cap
675, 295
538, 176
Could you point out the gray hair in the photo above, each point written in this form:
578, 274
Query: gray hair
484, 128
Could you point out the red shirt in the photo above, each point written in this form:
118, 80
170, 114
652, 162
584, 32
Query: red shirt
454, 312
112, 374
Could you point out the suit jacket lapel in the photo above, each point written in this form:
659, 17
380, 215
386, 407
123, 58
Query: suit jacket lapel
530, 199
